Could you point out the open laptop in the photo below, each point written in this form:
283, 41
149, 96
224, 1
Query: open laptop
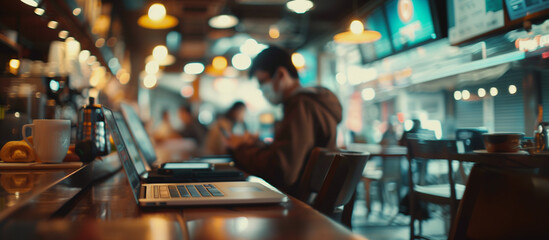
188, 194
145, 145
220, 172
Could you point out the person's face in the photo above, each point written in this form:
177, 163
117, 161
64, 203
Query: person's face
263, 77
270, 86
185, 116
239, 114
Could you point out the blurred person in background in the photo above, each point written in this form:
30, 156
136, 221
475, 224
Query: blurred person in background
417, 131
311, 116
230, 123
165, 131
192, 128
389, 136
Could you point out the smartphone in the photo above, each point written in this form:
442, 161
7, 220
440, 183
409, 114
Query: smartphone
184, 167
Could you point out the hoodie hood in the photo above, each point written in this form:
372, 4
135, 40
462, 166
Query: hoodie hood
324, 97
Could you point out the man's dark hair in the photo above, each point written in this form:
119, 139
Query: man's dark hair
235, 107
270, 59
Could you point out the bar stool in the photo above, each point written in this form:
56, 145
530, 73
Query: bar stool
448, 194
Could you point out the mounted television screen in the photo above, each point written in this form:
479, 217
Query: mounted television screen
376, 21
521, 8
410, 22
470, 18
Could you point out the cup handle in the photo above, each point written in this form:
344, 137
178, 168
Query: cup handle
24, 133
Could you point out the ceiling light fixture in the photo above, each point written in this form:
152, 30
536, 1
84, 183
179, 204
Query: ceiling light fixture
157, 18
31, 3
357, 34
225, 19
300, 6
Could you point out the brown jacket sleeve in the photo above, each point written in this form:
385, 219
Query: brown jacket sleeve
281, 162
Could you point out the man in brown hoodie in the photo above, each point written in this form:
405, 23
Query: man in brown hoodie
310, 120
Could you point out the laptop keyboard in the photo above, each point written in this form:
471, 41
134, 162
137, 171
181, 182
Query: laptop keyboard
186, 191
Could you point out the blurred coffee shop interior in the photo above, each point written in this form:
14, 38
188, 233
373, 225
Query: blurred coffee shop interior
451, 64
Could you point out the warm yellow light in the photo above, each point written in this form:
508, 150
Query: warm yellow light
63, 34
53, 24
100, 42
160, 52
15, 63
274, 33
157, 12
356, 27
298, 60
151, 67
123, 76
150, 81
94, 81
39, 11
219, 63
76, 11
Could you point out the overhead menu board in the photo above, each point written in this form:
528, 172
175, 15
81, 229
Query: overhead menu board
376, 21
410, 22
471, 18
521, 8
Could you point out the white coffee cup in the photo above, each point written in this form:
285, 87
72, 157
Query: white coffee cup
50, 137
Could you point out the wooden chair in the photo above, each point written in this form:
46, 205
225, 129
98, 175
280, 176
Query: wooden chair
422, 151
503, 203
336, 196
315, 172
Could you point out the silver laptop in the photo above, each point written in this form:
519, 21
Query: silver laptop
189, 194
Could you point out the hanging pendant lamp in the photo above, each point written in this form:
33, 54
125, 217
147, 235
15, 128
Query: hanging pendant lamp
156, 18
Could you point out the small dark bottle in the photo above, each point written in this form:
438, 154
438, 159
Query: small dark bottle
92, 135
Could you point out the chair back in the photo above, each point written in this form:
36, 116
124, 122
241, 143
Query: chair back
431, 149
314, 174
341, 181
503, 204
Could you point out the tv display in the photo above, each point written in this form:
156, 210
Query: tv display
376, 21
521, 8
470, 18
410, 22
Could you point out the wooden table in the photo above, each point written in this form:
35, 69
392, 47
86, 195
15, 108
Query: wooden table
111, 201
520, 160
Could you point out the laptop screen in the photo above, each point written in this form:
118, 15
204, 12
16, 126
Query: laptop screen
138, 131
123, 154
130, 144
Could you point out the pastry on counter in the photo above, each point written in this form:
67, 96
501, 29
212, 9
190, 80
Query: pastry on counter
17, 151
